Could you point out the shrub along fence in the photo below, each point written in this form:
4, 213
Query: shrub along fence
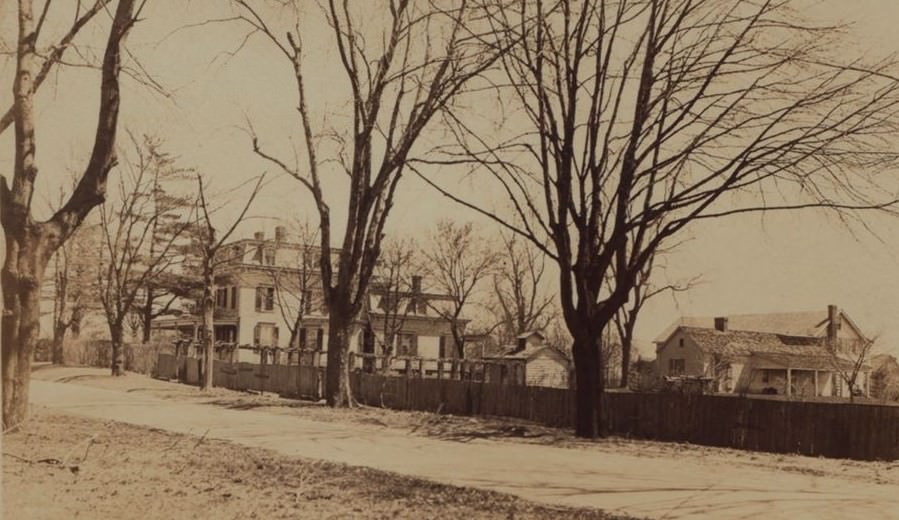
840, 430
139, 357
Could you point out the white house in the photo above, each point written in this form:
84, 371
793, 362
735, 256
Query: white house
262, 284
543, 365
801, 354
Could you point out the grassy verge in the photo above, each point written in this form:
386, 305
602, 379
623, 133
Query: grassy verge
61, 466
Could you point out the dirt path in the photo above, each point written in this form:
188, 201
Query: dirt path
657, 488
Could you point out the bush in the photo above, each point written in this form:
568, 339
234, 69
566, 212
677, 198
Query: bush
139, 357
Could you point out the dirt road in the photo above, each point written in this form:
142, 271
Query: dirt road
656, 488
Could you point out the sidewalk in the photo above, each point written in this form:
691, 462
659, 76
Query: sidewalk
656, 488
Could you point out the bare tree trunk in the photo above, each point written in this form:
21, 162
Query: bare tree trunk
118, 348
627, 341
22, 275
589, 422
337, 388
147, 315
208, 317
59, 336
75, 323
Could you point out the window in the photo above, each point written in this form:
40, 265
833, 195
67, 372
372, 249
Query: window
221, 297
407, 345
234, 297
766, 376
443, 343
319, 339
680, 342
307, 301
676, 367
265, 298
302, 337
265, 334
268, 256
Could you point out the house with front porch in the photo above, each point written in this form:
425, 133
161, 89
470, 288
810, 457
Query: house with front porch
802, 354
269, 306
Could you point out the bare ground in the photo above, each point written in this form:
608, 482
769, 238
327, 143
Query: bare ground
464, 429
60, 467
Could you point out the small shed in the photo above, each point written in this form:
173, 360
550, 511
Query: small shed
542, 364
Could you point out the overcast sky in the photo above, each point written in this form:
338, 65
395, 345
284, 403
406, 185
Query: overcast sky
748, 264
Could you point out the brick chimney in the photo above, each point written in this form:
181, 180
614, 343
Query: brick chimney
259, 235
721, 324
834, 321
280, 233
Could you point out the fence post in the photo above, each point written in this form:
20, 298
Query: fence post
408, 368
421, 368
440, 369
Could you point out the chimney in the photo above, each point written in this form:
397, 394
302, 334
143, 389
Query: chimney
834, 321
259, 235
721, 324
280, 234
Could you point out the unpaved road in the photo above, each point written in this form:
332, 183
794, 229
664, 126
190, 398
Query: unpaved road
656, 488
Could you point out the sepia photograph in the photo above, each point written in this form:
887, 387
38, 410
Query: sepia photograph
474, 259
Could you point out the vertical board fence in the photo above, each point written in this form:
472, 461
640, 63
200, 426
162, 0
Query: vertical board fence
837, 430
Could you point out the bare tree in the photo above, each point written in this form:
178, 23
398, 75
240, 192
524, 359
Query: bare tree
401, 74
518, 287
393, 284
74, 285
457, 262
643, 290
642, 117
848, 360
53, 55
170, 282
297, 288
129, 259
29, 243
210, 243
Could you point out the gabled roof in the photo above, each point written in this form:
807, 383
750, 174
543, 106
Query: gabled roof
799, 352
529, 352
744, 343
809, 324
805, 362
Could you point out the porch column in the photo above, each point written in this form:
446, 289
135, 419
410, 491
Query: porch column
817, 393
789, 382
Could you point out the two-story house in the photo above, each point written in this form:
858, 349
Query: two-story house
269, 295
794, 354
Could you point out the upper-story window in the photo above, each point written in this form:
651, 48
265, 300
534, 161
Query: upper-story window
268, 256
265, 298
221, 297
307, 301
226, 297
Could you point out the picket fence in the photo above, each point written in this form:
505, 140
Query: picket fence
836, 430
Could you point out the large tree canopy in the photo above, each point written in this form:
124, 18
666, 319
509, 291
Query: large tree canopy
630, 119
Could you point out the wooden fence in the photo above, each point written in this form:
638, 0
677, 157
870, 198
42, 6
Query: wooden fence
838, 430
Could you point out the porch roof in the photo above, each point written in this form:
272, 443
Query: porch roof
801, 362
